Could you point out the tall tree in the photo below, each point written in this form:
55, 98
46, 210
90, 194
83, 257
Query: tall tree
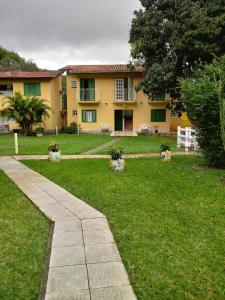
26, 111
172, 38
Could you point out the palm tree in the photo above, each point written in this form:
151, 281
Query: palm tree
26, 111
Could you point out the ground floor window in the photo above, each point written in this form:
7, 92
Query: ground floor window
158, 115
32, 89
89, 116
6, 89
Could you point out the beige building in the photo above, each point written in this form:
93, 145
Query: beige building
102, 96
43, 84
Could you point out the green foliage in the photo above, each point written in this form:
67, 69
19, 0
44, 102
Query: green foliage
39, 130
53, 147
173, 38
26, 111
116, 153
202, 95
164, 147
10, 60
73, 128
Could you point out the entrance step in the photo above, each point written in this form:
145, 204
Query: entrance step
124, 133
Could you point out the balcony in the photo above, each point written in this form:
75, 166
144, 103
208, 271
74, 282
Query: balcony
88, 96
152, 102
124, 96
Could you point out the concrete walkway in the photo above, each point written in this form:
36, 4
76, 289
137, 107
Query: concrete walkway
101, 147
92, 156
84, 263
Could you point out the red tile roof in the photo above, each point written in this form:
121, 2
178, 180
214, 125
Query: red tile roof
29, 75
101, 69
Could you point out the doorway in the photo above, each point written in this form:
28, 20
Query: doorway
123, 120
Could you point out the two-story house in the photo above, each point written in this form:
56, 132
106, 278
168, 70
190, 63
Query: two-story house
100, 95
43, 84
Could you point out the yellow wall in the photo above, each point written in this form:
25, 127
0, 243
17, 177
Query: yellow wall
183, 121
105, 106
50, 91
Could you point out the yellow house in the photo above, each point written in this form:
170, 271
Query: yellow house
44, 84
101, 96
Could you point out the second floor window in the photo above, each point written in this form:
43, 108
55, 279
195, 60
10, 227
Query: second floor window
124, 89
32, 89
87, 89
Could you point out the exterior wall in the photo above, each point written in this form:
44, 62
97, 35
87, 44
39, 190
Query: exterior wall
105, 105
183, 121
50, 91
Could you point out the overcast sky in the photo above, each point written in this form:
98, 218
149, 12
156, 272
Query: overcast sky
55, 33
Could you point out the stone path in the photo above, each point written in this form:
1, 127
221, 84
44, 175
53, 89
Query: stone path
101, 147
92, 156
84, 263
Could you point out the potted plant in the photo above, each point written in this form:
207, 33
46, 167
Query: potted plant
54, 152
39, 131
117, 162
165, 152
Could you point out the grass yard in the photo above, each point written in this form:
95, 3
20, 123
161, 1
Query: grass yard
23, 241
73, 144
143, 144
168, 220
69, 144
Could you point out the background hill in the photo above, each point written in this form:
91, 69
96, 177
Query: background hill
12, 61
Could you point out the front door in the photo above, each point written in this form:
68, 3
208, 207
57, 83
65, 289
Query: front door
118, 120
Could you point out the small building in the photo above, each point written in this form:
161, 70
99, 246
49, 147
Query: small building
43, 84
101, 96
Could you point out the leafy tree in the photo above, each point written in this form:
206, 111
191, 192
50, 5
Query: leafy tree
172, 38
10, 60
26, 111
204, 97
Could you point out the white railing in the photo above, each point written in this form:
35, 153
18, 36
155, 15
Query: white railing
87, 94
186, 138
123, 95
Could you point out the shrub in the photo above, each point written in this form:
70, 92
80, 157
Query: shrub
204, 96
73, 128
164, 147
116, 153
53, 147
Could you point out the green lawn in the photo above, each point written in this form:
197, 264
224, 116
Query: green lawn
168, 220
69, 144
73, 144
23, 242
143, 144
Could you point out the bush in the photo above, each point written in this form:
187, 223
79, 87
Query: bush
72, 129
204, 96
116, 153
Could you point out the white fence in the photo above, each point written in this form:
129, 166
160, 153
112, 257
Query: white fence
186, 138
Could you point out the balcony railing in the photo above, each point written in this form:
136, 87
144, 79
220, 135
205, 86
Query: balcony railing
125, 95
87, 94
6, 93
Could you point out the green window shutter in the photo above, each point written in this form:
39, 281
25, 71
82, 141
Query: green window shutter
158, 115
158, 96
94, 116
83, 115
91, 86
81, 89
32, 89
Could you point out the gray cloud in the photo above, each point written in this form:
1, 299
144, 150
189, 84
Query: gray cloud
55, 32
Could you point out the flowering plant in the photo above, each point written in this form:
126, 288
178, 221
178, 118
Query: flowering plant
53, 147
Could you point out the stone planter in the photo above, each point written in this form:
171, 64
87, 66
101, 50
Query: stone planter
55, 156
165, 155
117, 165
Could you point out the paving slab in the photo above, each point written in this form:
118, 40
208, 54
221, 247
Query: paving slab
84, 262
69, 295
124, 292
98, 237
95, 224
67, 239
67, 256
69, 278
102, 253
107, 275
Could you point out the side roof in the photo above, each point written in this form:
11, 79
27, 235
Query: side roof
102, 69
29, 75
